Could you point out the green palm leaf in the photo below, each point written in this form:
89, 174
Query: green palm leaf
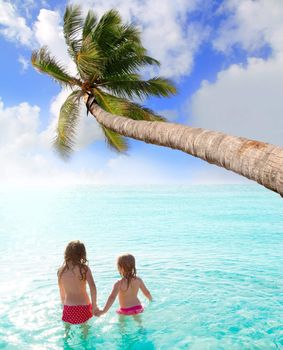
121, 106
45, 63
130, 86
89, 61
73, 26
128, 33
107, 31
126, 36
89, 24
127, 59
138, 112
67, 123
110, 103
122, 43
115, 141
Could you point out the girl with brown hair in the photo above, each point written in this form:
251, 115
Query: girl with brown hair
73, 276
127, 288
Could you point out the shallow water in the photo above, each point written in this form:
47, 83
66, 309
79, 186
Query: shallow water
211, 256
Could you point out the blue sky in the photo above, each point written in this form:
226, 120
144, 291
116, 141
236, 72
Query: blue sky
228, 69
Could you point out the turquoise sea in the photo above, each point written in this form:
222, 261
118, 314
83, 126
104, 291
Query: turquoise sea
212, 257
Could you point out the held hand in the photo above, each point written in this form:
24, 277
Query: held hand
99, 313
95, 311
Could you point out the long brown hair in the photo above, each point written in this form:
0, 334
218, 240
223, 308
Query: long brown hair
127, 267
75, 255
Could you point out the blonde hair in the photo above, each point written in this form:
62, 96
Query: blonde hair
75, 253
127, 267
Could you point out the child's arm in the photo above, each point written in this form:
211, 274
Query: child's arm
145, 291
111, 297
93, 291
62, 291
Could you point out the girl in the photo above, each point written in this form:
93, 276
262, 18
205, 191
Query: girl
127, 288
72, 278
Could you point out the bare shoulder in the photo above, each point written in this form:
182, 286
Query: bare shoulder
139, 280
117, 284
88, 270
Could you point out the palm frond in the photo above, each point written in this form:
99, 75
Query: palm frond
110, 103
124, 34
124, 107
73, 26
127, 59
89, 24
118, 42
107, 31
127, 65
89, 61
128, 33
115, 141
45, 63
67, 123
130, 86
138, 112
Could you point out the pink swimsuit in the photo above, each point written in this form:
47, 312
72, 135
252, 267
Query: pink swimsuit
129, 311
76, 314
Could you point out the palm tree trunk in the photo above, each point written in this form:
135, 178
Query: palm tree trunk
255, 160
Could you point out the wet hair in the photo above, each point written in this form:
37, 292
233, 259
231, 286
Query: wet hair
127, 267
75, 255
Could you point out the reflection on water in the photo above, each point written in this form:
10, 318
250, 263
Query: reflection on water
135, 337
130, 334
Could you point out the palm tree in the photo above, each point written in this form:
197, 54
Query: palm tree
108, 56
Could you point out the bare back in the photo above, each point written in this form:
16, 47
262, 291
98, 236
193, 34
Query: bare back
73, 287
128, 296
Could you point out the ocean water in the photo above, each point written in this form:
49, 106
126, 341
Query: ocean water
212, 257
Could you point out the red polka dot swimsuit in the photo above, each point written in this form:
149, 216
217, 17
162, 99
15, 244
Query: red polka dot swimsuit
76, 314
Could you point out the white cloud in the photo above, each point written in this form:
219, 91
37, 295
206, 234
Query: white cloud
27, 157
18, 124
131, 170
251, 24
169, 114
24, 63
19, 141
48, 31
167, 30
136, 170
246, 100
26, 6
25, 151
13, 26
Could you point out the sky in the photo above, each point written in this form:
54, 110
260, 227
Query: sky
226, 58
